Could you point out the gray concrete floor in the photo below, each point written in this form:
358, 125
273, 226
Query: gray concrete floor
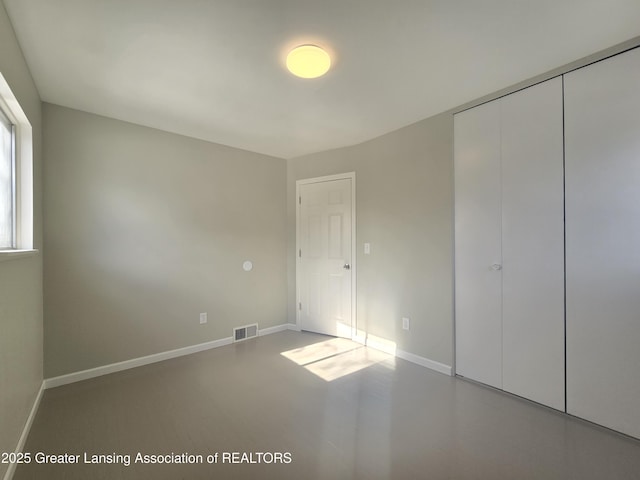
341, 411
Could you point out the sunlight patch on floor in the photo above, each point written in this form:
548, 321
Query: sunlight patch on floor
319, 351
335, 358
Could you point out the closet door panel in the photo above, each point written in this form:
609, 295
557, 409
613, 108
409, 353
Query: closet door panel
477, 244
602, 133
533, 244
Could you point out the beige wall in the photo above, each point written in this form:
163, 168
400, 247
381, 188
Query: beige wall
404, 207
145, 230
21, 278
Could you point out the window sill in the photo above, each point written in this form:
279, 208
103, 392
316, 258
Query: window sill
14, 254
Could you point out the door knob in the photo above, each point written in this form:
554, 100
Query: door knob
346, 266
496, 267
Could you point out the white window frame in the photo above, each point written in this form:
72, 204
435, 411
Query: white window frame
23, 174
8, 125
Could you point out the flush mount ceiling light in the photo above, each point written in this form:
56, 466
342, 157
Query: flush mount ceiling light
308, 61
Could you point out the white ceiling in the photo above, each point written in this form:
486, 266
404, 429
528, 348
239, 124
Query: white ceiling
213, 69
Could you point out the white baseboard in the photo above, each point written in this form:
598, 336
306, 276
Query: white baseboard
360, 340
425, 362
25, 431
276, 329
279, 328
156, 357
381, 344
389, 347
133, 363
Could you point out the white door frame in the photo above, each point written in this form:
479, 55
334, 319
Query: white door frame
328, 178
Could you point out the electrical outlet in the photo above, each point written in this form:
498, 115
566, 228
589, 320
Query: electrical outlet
203, 318
406, 323
367, 248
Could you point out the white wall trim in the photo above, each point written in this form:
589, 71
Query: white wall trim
294, 327
326, 178
381, 344
146, 360
25, 431
270, 330
23, 167
389, 347
14, 254
425, 362
133, 363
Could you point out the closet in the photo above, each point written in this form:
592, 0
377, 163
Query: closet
509, 243
547, 242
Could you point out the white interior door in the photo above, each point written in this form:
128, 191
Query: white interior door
325, 272
602, 119
478, 256
509, 248
533, 244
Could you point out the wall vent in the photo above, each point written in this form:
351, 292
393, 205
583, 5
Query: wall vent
243, 333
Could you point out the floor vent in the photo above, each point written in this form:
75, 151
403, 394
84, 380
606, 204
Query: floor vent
243, 333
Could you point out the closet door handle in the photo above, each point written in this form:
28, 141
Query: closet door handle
496, 267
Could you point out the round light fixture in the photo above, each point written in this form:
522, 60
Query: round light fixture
308, 61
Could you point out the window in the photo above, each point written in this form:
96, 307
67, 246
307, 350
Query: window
7, 183
16, 176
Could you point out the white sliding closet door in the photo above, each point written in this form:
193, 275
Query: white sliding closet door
602, 122
478, 244
509, 243
532, 244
